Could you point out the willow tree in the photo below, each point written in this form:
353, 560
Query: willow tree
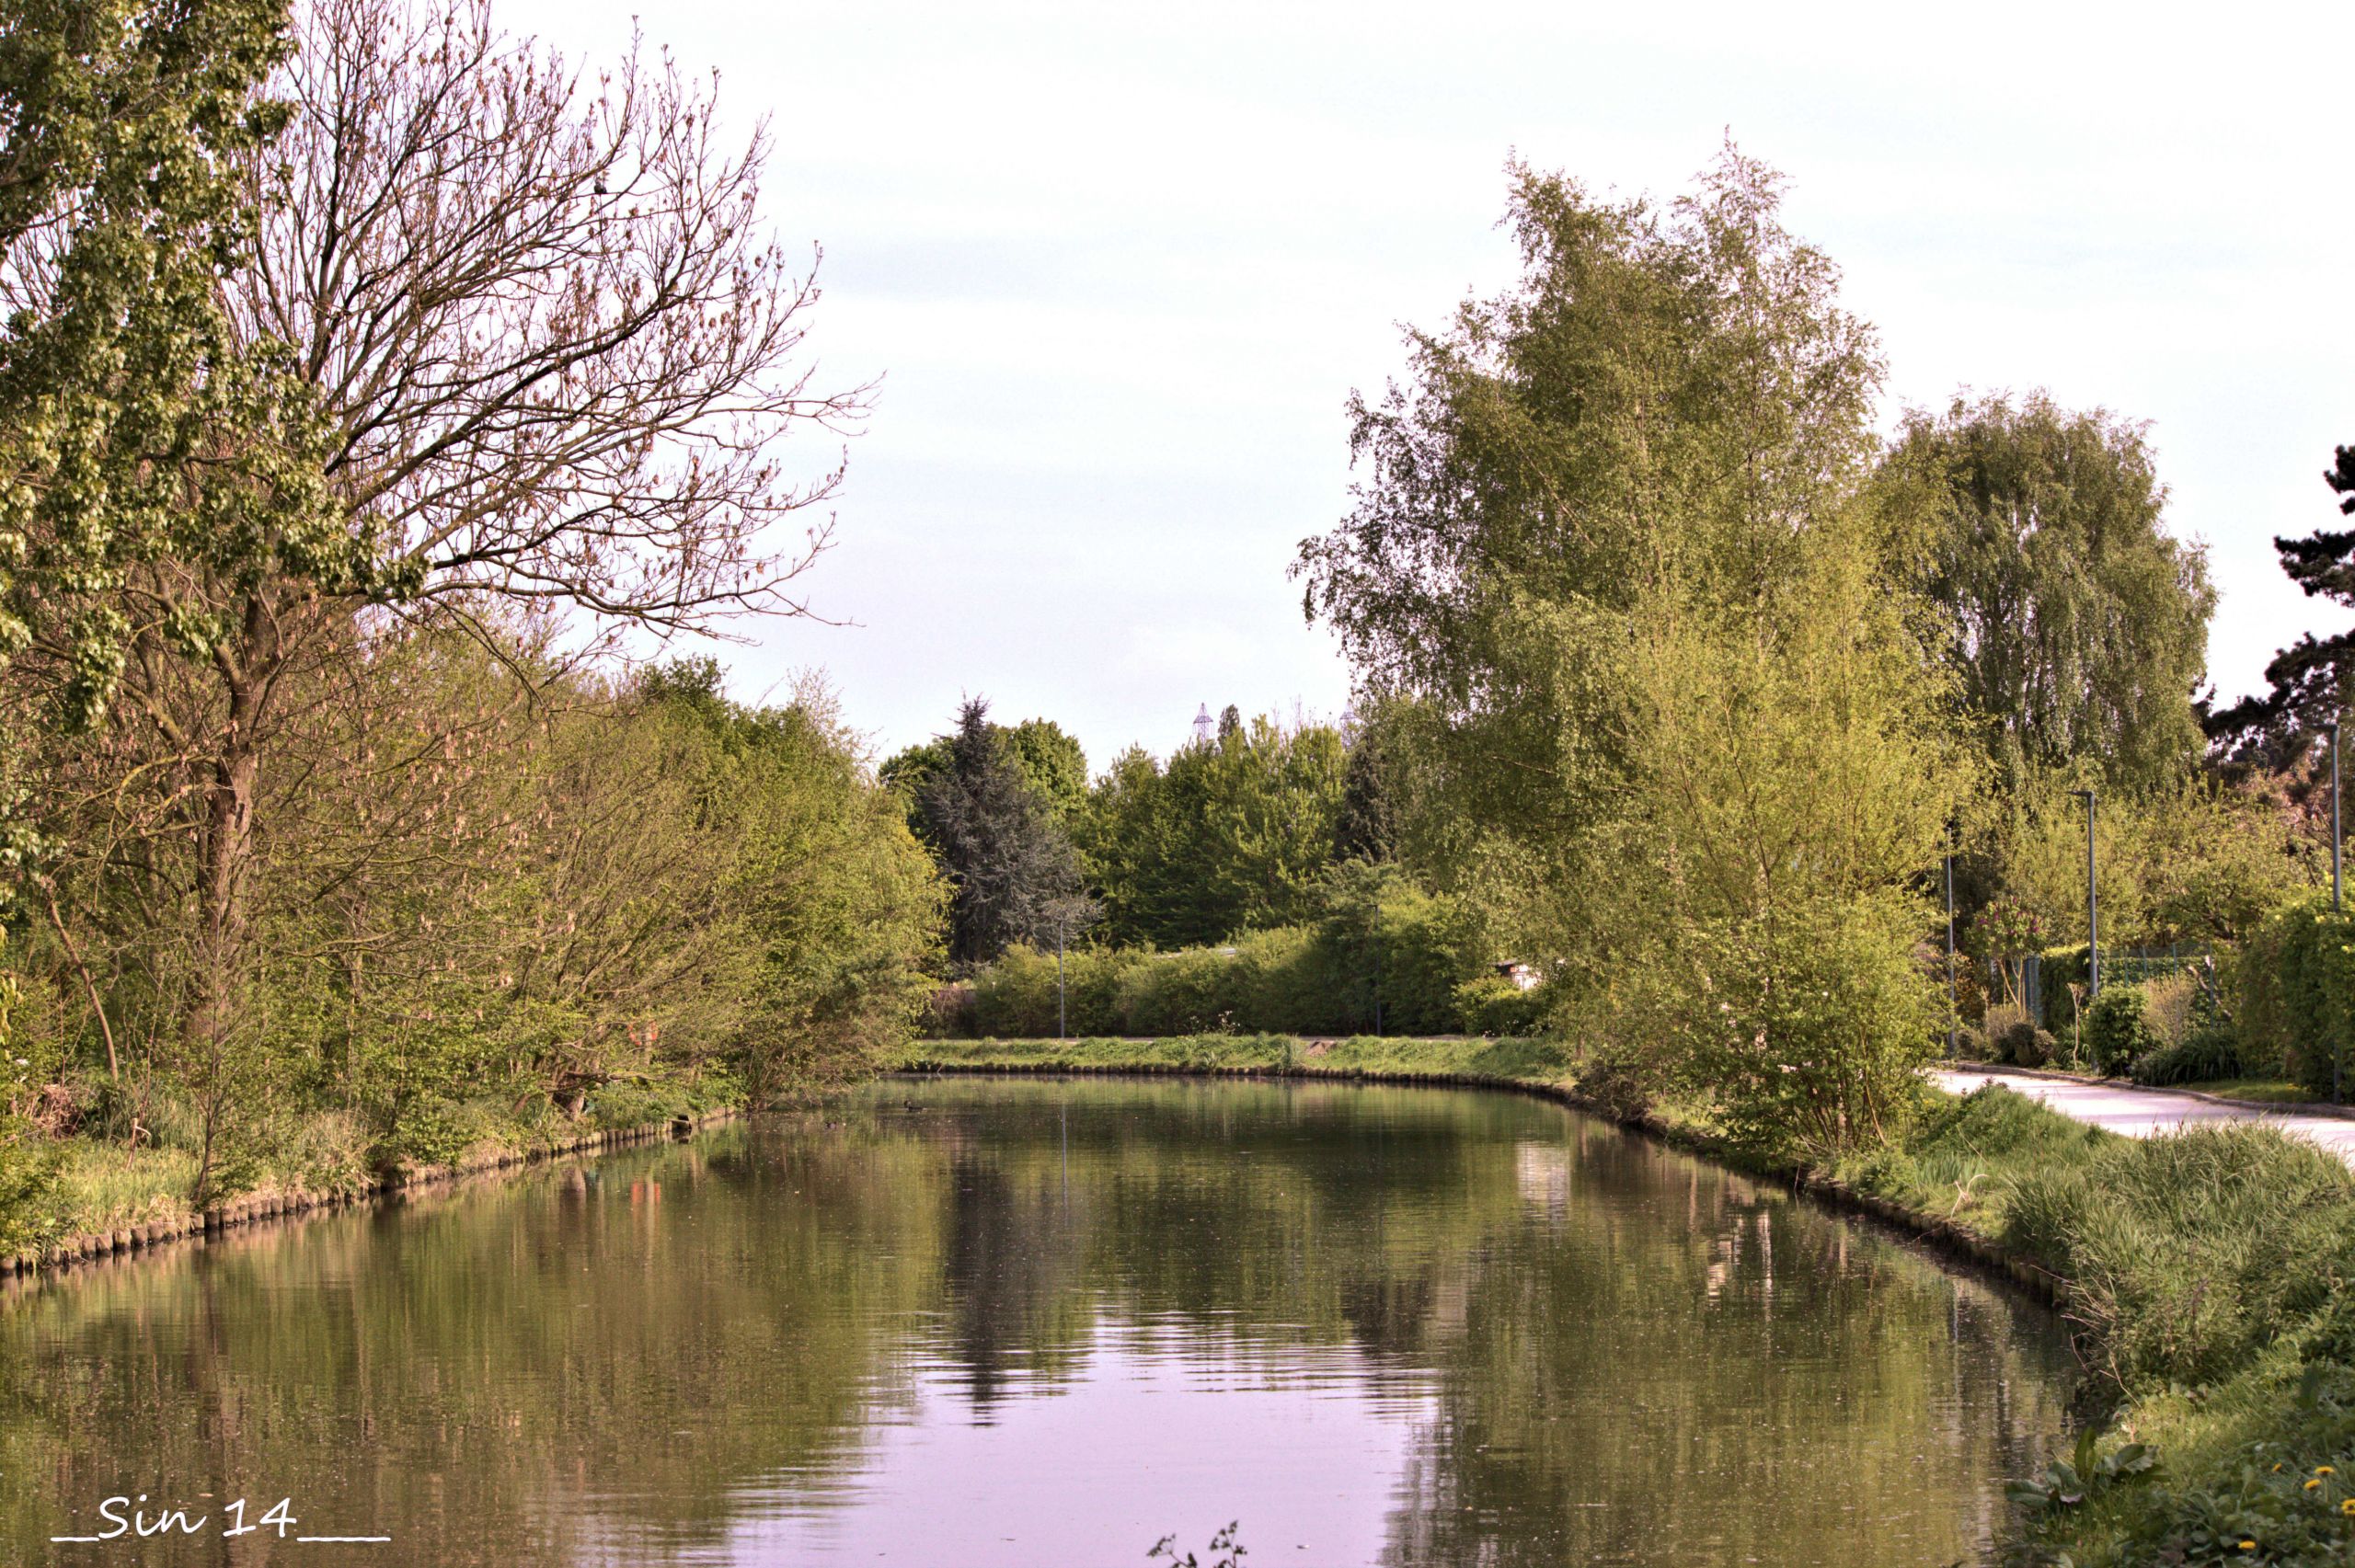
2076, 626
547, 352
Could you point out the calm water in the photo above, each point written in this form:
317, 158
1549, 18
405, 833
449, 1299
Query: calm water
969, 1322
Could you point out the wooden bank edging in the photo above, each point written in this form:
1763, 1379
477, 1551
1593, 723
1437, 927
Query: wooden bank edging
1940, 1231
219, 1219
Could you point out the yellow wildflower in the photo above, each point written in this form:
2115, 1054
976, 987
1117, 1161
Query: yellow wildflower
2325, 1470
2348, 1507
2311, 1485
2248, 1546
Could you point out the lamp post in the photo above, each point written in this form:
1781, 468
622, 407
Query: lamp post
1950, 1009
2334, 839
2092, 906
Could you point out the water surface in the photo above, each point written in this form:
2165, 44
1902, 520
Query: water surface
975, 1322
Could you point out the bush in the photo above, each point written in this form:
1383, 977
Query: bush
1016, 996
1386, 943
2002, 1017
28, 1185
1493, 1005
2209, 1052
2117, 1031
1969, 1045
2296, 983
1194, 990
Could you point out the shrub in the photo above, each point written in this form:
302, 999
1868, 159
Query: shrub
1284, 983
1969, 1045
2296, 983
1387, 942
28, 1185
1493, 1005
2209, 1052
1015, 998
1194, 990
2118, 1031
2171, 1004
949, 1015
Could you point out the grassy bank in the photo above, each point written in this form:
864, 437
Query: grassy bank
94, 1190
2209, 1277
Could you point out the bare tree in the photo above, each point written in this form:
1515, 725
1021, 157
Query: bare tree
556, 344
547, 351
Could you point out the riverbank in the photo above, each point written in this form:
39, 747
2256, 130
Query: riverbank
110, 1201
2208, 1276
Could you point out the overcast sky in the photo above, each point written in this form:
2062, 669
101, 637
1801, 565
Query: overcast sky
1119, 267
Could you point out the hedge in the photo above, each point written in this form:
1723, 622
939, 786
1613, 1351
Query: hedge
1414, 953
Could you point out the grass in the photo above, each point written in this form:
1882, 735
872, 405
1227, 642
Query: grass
2210, 1274
88, 1184
1504, 1060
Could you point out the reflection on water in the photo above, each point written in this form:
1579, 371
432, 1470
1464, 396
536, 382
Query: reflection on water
977, 1322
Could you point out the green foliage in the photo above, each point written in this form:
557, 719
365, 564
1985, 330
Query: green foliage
2189, 1254
2283, 1498
2210, 1053
2073, 625
29, 1184
1235, 834
1011, 867
2279, 728
2295, 985
1494, 1005
1050, 760
1384, 940
123, 378
1616, 574
2118, 1030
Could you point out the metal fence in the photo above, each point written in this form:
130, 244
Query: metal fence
2025, 977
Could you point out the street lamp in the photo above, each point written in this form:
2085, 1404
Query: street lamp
2093, 908
1950, 1009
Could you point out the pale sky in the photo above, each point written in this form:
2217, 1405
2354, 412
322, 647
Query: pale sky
1119, 267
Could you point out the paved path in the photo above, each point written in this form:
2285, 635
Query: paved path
2138, 1113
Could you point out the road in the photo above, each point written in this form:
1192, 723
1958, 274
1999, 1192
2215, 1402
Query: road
2138, 1113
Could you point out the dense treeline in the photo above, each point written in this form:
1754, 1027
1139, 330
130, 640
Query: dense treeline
371, 379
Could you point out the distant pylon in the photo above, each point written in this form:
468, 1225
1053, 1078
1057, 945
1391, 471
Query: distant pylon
1204, 726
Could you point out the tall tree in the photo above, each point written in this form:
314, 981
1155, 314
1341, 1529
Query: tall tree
2076, 626
2308, 681
1052, 764
1664, 399
1012, 867
1235, 834
544, 351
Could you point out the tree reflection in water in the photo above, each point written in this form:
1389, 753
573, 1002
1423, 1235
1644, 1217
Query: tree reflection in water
987, 1321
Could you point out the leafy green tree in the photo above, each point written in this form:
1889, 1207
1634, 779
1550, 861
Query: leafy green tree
1012, 869
1615, 567
2074, 625
1052, 763
139, 428
333, 399
1664, 398
1796, 776
1235, 834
